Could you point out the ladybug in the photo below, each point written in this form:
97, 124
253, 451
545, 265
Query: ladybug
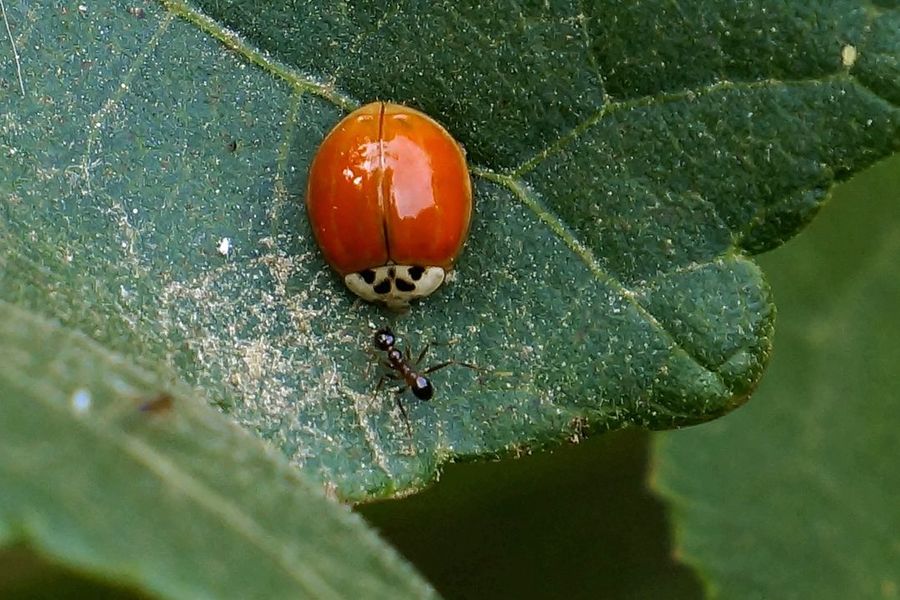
389, 201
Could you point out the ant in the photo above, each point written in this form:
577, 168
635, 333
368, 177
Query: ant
403, 368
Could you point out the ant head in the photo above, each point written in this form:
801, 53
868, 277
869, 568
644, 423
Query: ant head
422, 388
384, 339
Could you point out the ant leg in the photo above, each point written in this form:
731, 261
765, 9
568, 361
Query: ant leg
403, 411
437, 367
386, 377
442, 365
378, 386
422, 354
380, 383
398, 395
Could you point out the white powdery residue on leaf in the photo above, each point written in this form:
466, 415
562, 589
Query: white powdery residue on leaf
255, 339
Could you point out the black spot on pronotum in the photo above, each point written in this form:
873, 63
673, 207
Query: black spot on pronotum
383, 287
368, 276
404, 285
416, 272
392, 273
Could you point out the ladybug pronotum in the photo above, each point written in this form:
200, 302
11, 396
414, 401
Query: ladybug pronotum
389, 201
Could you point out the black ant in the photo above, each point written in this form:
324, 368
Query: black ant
402, 367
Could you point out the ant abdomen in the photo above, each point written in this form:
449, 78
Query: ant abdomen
422, 388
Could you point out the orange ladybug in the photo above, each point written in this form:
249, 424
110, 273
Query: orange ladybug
390, 200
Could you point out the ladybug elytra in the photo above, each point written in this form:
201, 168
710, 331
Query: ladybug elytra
390, 200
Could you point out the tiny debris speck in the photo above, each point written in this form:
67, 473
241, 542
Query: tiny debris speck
849, 55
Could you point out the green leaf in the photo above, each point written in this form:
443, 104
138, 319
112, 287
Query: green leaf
113, 470
628, 159
795, 496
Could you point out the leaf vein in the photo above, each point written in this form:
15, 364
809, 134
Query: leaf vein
236, 43
613, 107
583, 19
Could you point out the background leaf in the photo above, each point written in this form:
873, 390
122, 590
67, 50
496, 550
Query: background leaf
578, 522
795, 496
113, 471
606, 281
